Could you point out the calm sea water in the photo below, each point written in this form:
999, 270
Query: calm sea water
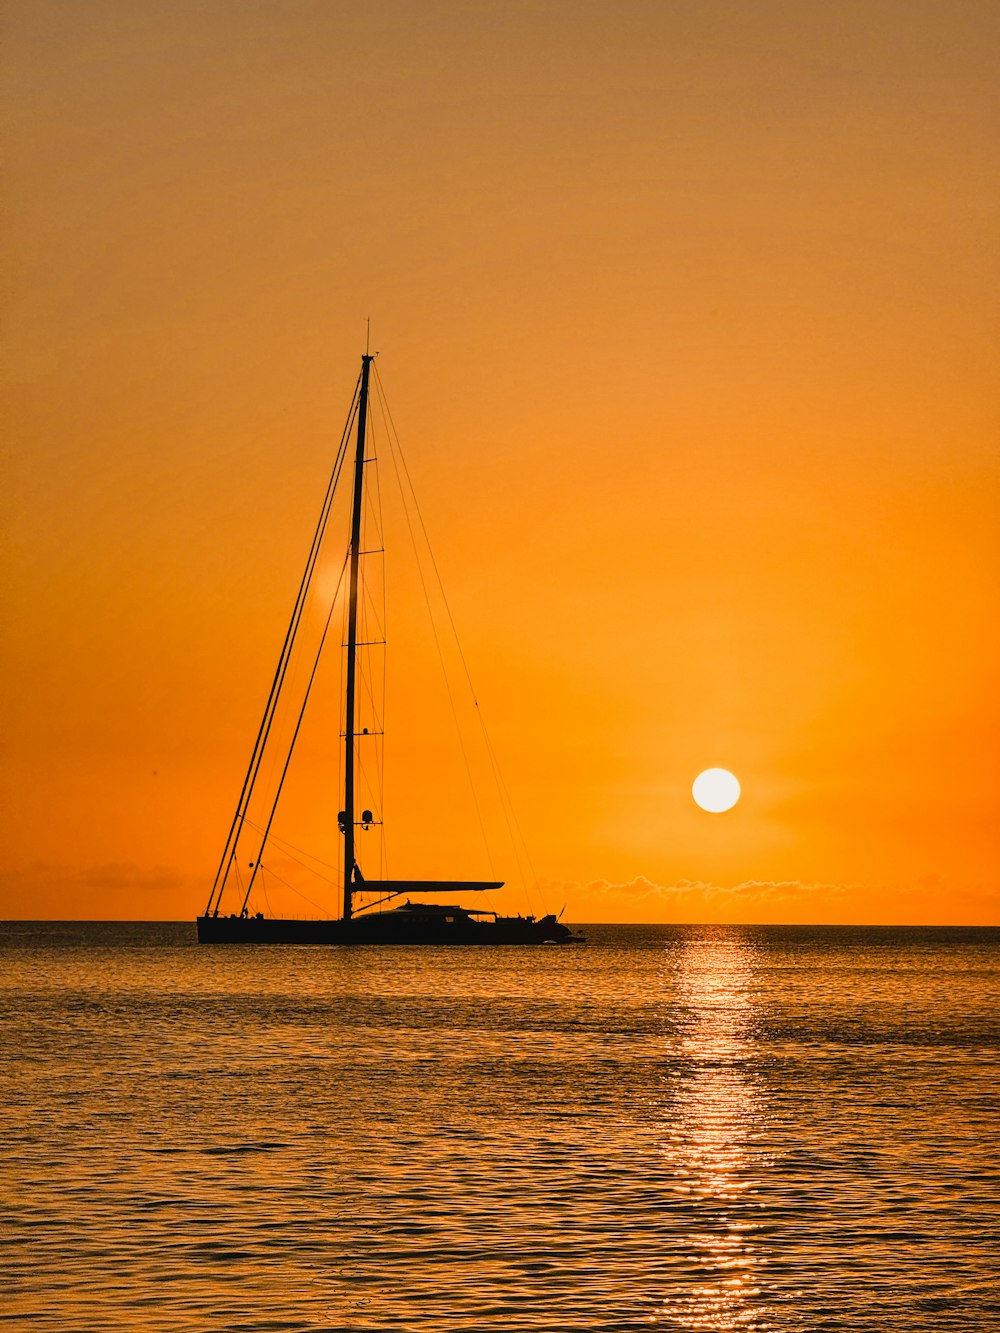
685, 1128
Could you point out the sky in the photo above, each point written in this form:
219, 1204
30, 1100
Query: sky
687, 317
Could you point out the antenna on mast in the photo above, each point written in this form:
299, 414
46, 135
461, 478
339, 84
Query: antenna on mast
368, 335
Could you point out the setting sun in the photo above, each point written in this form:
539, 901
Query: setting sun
716, 790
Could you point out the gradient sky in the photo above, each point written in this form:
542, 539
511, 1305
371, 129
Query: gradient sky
687, 315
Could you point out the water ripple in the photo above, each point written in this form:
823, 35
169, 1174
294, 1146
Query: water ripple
685, 1129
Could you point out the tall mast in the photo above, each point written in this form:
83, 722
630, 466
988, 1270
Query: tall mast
352, 642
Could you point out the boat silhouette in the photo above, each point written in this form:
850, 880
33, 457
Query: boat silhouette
382, 919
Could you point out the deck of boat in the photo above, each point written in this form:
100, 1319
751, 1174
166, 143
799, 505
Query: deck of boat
411, 923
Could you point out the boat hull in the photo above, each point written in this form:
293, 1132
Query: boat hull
383, 928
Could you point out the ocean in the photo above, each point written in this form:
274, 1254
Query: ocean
676, 1128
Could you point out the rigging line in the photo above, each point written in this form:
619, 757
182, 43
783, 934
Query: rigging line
380, 744
263, 886
393, 451
380, 771
374, 769
375, 618
342, 694
221, 875
298, 892
437, 573
530, 880
268, 722
509, 809
394, 437
374, 640
396, 454
380, 615
269, 711
368, 699
295, 734
501, 785
289, 847
374, 621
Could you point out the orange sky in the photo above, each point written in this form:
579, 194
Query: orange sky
687, 315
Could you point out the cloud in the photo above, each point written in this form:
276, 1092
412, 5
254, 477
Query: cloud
127, 875
118, 890
929, 901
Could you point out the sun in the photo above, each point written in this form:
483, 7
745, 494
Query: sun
716, 790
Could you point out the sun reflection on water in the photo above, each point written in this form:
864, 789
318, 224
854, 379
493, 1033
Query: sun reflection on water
711, 1130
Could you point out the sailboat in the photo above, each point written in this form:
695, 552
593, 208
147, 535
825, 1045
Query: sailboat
382, 918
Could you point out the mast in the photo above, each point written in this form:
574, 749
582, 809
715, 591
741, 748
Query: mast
352, 642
